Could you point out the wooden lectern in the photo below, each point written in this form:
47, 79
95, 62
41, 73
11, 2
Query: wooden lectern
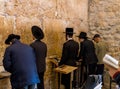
65, 69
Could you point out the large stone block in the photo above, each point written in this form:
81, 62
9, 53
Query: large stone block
5, 83
54, 35
23, 27
9, 23
72, 9
31, 8
1, 24
2, 6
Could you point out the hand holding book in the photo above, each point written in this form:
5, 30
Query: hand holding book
113, 67
109, 60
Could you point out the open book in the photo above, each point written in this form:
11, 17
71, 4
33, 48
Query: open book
111, 61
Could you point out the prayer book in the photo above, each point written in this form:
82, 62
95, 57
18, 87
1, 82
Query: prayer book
111, 61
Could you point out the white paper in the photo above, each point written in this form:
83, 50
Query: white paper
111, 59
99, 86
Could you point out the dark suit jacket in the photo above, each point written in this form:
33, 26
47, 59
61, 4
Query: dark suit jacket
87, 52
40, 49
69, 53
19, 60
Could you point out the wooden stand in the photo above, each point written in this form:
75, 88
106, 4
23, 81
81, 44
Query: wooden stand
65, 69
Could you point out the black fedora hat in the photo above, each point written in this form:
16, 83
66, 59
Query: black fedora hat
69, 31
37, 32
83, 35
10, 37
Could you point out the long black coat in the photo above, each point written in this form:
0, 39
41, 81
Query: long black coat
69, 56
87, 52
40, 49
69, 53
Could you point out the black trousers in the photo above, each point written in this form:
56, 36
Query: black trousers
89, 70
66, 80
41, 84
100, 69
92, 68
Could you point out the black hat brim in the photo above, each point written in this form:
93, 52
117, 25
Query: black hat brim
37, 32
10, 37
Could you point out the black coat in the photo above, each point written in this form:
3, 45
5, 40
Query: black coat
69, 57
87, 52
40, 49
69, 53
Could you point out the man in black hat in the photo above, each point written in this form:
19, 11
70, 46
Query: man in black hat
40, 49
19, 60
69, 55
87, 54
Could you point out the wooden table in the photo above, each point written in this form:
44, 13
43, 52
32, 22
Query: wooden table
65, 69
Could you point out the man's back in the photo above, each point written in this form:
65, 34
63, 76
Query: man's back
88, 52
19, 60
101, 50
70, 52
40, 49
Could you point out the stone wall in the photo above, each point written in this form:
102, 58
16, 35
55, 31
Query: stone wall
5, 83
53, 16
104, 18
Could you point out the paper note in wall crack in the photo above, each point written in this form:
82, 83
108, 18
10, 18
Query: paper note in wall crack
111, 61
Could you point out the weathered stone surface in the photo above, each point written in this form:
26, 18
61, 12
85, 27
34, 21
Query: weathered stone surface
72, 9
32, 8
104, 18
5, 83
2, 3
53, 16
23, 27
